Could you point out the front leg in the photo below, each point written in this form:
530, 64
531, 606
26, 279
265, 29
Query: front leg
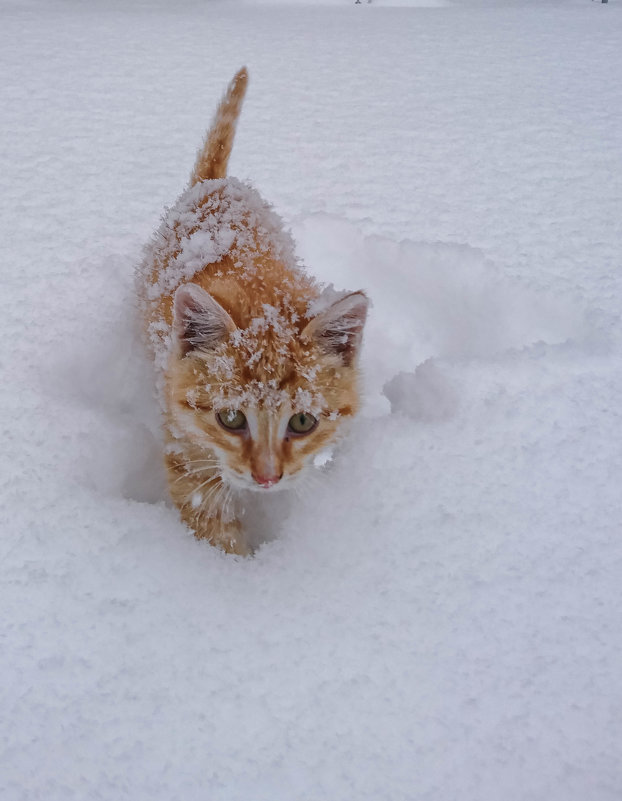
205, 505
225, 534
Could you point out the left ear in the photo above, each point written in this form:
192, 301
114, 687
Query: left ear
199, 321
339, 328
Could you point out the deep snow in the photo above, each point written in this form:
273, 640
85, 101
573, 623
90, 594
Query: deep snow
438, 617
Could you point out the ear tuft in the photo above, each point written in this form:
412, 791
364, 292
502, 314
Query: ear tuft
198, 319
339, 328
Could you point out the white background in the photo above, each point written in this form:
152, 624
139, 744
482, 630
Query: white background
437, 615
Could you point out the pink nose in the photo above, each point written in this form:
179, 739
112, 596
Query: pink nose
267, 481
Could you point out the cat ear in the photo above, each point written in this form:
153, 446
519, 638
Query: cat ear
339, 328
198, 320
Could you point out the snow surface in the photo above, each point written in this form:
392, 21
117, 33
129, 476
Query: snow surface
438, 617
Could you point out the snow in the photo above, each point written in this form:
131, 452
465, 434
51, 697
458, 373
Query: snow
437, 614
209, 220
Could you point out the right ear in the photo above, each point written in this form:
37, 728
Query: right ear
339, 328
198, 320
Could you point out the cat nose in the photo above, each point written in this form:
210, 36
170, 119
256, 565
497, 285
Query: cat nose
267, 481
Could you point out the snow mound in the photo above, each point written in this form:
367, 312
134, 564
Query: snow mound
424, 394
432, 302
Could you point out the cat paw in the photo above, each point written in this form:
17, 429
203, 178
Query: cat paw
228, 537
237, 547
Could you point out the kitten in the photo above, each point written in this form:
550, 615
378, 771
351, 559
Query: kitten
257, 367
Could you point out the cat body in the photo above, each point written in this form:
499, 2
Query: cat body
256, 365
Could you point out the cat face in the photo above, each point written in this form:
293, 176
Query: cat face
266, 399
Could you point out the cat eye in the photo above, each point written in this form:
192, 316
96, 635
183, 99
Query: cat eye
231, 419
302, 423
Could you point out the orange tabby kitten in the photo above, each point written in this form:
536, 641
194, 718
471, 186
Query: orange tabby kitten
256, 366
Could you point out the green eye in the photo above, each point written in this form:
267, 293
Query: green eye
232, 419
302, 423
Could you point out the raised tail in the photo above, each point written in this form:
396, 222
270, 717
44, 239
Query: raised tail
213, 157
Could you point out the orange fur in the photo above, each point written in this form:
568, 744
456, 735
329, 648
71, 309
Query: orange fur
236, 326
213, 157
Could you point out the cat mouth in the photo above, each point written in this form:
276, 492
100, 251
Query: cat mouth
266, 482
272, 486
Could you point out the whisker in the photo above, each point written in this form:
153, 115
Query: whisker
227, 504
199, 488
212, 496
191, 473
212, 459
215, 477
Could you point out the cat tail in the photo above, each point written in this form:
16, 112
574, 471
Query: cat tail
213, 156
